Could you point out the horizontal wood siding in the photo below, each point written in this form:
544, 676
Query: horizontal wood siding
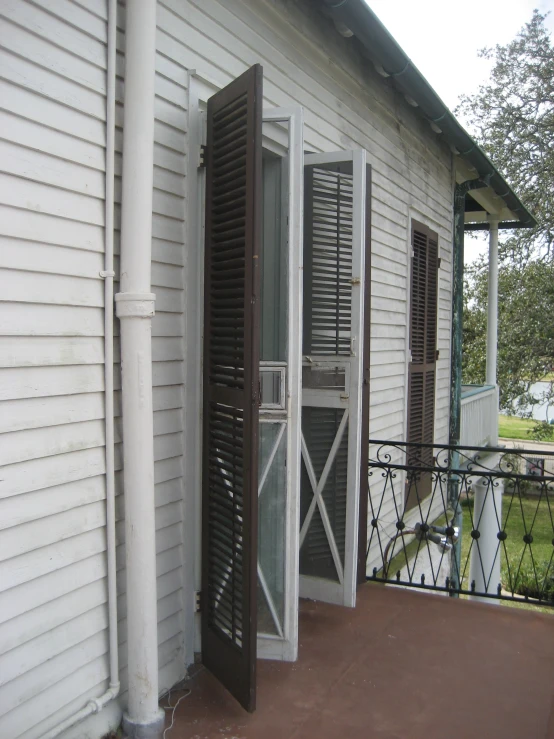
53, 608
346, 105
52, 163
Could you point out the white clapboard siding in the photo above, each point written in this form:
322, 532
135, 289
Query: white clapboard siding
411, 171
53, 610
344, 106
52, 163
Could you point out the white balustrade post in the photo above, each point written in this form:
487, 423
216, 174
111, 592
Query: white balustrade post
486, 549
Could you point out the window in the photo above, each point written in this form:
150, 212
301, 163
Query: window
423, 354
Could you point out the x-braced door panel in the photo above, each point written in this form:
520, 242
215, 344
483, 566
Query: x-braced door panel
332, 373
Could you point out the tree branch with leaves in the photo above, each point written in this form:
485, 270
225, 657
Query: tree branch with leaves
512, 117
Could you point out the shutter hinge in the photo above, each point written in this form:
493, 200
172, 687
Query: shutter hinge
202, 159
437, 355
439, 260
197, 601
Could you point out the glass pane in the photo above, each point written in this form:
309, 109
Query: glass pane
274, 260
324, 378
271, 527
270, 385
319, 427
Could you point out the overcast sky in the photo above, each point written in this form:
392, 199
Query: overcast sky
442, 38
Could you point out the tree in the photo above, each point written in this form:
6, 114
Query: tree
525, 332
512, 117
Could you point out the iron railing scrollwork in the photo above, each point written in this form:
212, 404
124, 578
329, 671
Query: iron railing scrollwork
505, 548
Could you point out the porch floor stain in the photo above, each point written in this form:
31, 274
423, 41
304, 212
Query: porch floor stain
401, 665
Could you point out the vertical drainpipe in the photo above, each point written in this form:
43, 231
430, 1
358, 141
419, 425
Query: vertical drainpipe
460, 192
135, 308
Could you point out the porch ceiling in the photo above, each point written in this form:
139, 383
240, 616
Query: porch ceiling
401, 665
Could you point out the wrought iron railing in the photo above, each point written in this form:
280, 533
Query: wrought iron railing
468, 521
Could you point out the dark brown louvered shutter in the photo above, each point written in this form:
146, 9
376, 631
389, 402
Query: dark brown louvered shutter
231, 385
423, 347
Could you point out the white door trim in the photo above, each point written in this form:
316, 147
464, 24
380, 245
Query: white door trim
286, 647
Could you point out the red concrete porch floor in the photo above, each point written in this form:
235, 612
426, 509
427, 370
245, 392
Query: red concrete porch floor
402, 665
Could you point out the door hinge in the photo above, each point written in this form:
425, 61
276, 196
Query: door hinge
197, 601
203, 153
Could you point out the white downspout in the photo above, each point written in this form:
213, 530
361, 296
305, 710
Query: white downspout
96, 705
135, 308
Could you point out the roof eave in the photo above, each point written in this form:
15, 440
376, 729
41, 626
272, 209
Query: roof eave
392, 62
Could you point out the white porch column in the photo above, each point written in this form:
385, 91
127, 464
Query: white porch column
486, 550
135, 308
492, 314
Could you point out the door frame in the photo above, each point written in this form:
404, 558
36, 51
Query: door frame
275, 647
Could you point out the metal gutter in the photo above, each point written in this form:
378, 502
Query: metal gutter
392, 62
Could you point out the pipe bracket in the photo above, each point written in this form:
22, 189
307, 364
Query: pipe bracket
134, 305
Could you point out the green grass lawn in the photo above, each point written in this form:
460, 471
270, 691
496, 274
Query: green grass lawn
527, 514
518, 517
512, 427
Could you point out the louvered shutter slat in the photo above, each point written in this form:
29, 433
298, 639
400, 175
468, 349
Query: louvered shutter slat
423, 347
328, 248
231, 368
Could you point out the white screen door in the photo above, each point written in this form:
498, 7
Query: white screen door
280, 369
334, 269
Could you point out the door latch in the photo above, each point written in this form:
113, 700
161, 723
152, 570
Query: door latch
202, 157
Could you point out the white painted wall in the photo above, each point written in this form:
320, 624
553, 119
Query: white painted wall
53, 610
53, 615
346, 105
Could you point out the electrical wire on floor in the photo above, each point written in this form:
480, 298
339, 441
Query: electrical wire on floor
173, 708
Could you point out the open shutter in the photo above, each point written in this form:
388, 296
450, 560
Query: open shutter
336, 200
423, 347
231, 384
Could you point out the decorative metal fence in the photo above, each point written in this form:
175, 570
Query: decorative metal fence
468, 521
